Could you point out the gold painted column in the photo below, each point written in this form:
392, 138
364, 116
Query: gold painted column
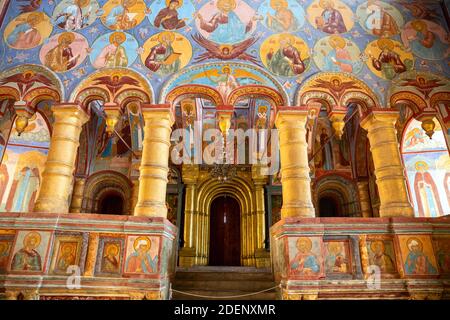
134, 195
364, 198
77, 195
389, 172
295, 179
57, 176
155, 161
188, 256
262, 256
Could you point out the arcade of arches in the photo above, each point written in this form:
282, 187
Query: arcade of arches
114, 176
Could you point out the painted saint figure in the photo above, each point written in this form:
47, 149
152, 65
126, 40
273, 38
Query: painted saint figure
27, 258
427, 196
225, 82
4, 255
114, 54
24, 190
225, 26
326, 162
61, 58
120, 17
168, 17
26, 35
338, 60
331, 20
305, 262
416, 261
388, 62
380, 258
425, 40
110, 263
162, 58
72, 18
284, 19
286, 61
140, 260
67, 257
380, 22
336, 261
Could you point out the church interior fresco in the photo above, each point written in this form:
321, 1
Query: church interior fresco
339, 58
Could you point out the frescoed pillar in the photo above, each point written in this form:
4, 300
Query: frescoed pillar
389, 172
364, 198
77, 195
295, 179
155, 161
57, 176
190, 174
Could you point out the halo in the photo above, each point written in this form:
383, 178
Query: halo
376, 242
219, 4
111, 246
335, 78
180, 3
388, 43
83, 3
420, 164
139, 239
410, 240
66, 35
305, 240
226, 67
340, 42
122, 36
262, 109
225, 46
34, 235
38, 15
166, 33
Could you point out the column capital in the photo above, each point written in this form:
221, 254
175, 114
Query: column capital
290, 113
190, 173
162, 111
379, 114
73, 109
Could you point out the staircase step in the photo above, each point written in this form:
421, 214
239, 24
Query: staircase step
241, 285
271, 295
232, 276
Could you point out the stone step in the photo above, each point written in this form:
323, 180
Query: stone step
239, 285
229, 276
270, 295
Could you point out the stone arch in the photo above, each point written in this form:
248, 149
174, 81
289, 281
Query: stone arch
100, 184
320, 88
47, 86
241, 190
113, 85
341, 189
186, 82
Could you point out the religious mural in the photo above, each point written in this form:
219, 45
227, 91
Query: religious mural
142, 255
330, 16
109, 256
67, 251
337, 257
30, 251
382, 254
6, 244
115, 49
417, 255
73, 15
379, 18
427, 165
28, 30
305, 256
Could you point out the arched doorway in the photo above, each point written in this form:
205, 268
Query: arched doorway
225, 232
111, 203
329, 207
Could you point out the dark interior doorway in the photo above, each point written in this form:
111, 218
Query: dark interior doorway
225, 232
112, 203
329, 207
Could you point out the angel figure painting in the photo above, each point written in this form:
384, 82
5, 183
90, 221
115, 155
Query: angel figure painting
73, 15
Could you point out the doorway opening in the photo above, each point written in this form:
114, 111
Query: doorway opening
111, 203
329, 207
225, 232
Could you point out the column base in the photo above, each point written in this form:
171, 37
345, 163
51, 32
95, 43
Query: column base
388, 211
142, 210
262, 258
304, 212
187, 257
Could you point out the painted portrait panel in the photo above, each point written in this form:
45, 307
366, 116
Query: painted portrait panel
416, 140
305, 256
382, 254
426, 39
337, 257
30, 251
417, 255
166, 53
442, 250
66, 253
123, 14
73, 15
282, 15
171, 14
380, 18
136, 121
110, 256
285, 55
64, 51
226, 21
330, 16
337, 54
428, 179
6, 244
142, 255
388, 58
28, 30
115, 49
